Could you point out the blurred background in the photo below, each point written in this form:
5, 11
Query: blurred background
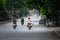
45, 15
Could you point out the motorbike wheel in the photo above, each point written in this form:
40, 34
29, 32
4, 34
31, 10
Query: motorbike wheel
22, 23
29, 27
14, 26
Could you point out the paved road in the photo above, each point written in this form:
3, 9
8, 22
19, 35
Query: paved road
38, 32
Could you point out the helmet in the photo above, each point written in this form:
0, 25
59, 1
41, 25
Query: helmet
28, 17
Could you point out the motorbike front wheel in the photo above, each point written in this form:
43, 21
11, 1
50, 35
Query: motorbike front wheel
29, 26
14, 26
22, 23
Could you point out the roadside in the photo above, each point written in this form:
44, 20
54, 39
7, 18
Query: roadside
56, 30
4, 22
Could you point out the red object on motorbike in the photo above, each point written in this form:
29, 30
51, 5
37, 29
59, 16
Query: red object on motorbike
29, 25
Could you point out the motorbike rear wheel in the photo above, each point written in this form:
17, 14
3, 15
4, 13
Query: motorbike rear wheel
29, 27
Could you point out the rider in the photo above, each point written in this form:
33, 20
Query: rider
22, 20
29, 21
14, 23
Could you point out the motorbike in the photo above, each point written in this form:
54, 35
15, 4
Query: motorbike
22, 23
14, 24
29, 25
41, 21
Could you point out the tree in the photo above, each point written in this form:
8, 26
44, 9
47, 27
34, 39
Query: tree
47, 7
12, 4
37, 4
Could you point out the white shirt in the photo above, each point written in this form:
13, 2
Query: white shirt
29, 21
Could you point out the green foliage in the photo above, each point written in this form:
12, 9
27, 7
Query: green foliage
24, 11
37, 4
14, 4
44, 6
3, 3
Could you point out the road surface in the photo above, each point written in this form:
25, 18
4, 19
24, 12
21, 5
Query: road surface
38, 32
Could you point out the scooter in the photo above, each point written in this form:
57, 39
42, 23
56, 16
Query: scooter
29, 25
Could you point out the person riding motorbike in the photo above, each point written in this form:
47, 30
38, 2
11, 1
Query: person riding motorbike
14, 23
22, 21
29, 24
